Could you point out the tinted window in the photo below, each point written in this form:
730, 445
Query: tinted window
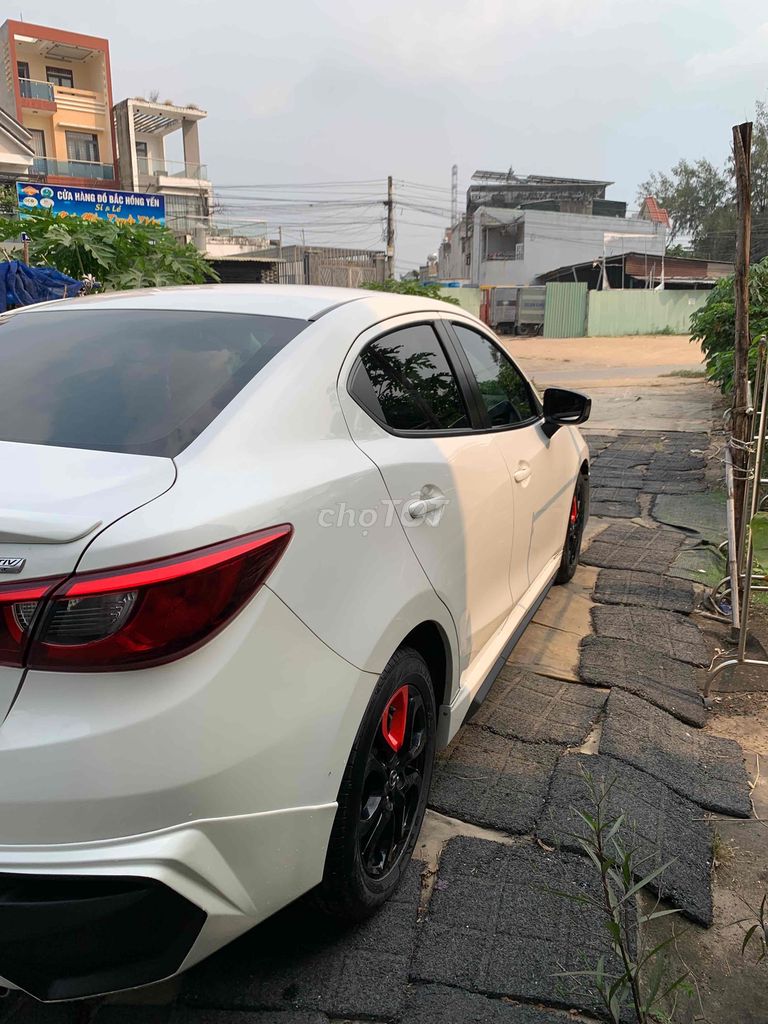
504, 390
408, 383
125, 380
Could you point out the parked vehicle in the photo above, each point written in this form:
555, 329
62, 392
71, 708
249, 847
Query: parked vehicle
516, 310
262, 551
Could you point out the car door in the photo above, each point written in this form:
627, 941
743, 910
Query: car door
450, 491
542, 469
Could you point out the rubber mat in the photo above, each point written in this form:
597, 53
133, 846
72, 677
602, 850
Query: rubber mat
523, 705
706, 769
671, 685
660, 826
645, 589
666, 632
633, 547
497, 924
493, 781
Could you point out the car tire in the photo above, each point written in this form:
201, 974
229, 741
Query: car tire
577, 519
383, 794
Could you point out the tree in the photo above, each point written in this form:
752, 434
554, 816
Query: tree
427, 291
118, 255
701, 200
714, 325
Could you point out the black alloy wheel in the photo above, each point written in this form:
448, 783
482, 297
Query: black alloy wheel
383, 795
577, 519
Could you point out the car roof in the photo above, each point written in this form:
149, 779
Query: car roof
304, 302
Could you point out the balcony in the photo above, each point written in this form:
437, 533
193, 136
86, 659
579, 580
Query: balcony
80, 101
149, 166
73, 169
33, 90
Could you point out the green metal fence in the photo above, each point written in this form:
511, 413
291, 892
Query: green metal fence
565, 310
640, 311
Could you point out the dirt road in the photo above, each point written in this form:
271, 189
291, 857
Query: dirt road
634, 382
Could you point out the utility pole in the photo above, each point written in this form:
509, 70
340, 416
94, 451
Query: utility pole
742, 156
280, 242
390, 264
454, 194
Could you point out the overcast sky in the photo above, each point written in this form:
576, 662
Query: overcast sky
341, 90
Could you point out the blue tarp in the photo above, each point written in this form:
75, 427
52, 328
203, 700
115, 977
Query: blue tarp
21, 285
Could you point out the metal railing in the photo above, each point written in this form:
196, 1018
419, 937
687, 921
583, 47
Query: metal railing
31, 89
74, 169
149, 165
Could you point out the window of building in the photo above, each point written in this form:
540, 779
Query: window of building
141, 149
60, 76
22, 68
505, 392
405, 380
38, 140
82, 146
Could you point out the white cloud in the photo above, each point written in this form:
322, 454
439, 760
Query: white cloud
749, 53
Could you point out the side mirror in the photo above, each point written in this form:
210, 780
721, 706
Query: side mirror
564, 408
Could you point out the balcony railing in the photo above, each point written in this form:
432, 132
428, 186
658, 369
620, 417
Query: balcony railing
150, 165
74, 169
34, 90
80, 101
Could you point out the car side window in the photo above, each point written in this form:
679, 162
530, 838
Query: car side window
505, 392
405, 380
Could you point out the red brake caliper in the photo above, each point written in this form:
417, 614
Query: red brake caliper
394, 719
574, 510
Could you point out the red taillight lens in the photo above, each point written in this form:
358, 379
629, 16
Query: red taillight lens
142, 614
19, 607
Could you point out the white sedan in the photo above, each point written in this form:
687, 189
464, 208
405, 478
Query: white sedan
262, 550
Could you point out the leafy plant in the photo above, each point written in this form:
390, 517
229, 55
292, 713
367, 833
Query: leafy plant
758, 930
714, 324
427, 291
118, 255
640, 986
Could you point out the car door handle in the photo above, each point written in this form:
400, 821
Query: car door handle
423, 506
521, 474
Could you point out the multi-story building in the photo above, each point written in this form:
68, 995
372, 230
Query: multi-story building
142, 128
58, 85
16, 152
516, 228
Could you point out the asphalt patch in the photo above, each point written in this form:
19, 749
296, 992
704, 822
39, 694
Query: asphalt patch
660, 827
493, 781
525, 706
669, 684
598, 493
645, 589
498, 925
301, 960
144, 1014
706, 769
620, 460
624, 546
676, 462
439, 1004
672, 635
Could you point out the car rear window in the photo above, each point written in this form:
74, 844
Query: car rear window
145, 382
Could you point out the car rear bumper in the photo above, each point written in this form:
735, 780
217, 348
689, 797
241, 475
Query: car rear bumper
85, 919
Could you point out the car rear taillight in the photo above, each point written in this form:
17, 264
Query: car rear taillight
20, 604
137, 615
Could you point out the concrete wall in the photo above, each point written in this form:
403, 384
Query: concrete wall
637, 311
469, 298
552, 240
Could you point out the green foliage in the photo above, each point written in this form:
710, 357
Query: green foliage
426, 291
7, 200
119, 256
714, 324
642, 986
757, 933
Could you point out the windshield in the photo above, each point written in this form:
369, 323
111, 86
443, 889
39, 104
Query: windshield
145, 382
